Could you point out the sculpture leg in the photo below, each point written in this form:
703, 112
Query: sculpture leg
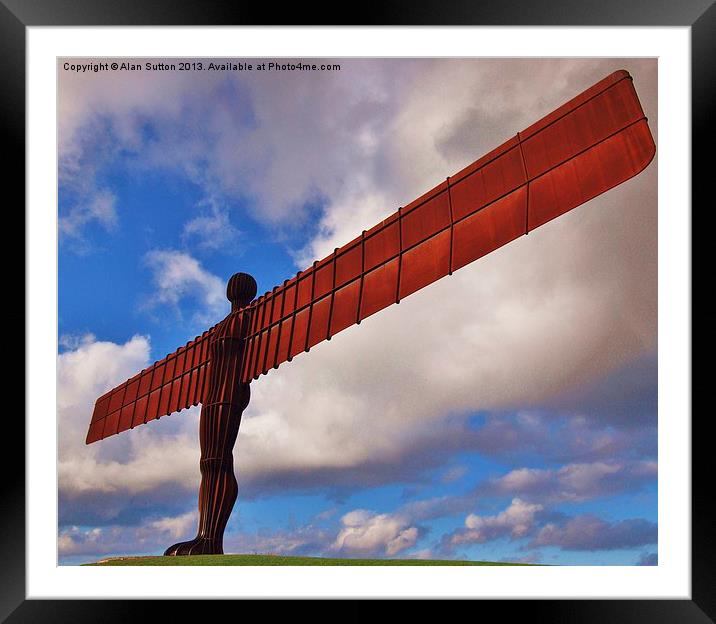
218, 429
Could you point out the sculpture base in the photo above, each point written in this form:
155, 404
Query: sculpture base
197, 546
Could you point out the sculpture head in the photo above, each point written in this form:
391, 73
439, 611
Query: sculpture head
240, 290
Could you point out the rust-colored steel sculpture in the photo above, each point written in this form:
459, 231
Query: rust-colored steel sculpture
592, 143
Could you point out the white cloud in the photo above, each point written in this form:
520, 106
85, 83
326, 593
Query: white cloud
366, 533
307, 540
72, 341
131, 463
176, 526
97, 541
587, 532
74, 541
575, 482
177, 275
516, 521
91, 368
97, 206
454, 474
213, 228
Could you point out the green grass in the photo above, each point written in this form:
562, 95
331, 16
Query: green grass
277, 560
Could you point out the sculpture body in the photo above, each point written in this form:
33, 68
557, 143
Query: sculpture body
592, 143
226, 399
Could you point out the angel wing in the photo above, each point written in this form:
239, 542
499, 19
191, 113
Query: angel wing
592, 143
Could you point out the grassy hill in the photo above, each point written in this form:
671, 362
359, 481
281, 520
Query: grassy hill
277, 560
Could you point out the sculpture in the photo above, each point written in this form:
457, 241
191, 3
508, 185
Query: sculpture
592, 143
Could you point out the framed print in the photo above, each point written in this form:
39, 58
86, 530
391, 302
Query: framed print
529, 436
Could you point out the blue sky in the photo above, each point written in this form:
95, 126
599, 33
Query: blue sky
506, 413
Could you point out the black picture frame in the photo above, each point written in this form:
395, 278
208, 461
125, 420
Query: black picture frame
16, 15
